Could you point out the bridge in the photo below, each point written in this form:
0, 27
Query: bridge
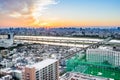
65, 41
62, 41
95, 45
83, 43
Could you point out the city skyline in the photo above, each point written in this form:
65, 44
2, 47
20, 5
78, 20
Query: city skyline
59, 13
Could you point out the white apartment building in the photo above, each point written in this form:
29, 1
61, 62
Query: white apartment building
102, 55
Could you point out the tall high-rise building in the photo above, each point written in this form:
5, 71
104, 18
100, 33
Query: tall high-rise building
44, 70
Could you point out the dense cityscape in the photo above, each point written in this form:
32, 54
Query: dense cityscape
24, 57
95, 32
59, 39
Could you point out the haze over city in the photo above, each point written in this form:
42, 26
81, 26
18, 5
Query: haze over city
59, 39
59, 13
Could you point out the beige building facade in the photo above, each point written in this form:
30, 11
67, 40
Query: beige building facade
44, 70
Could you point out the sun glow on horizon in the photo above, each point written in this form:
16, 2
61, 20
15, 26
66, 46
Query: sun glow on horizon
59, 13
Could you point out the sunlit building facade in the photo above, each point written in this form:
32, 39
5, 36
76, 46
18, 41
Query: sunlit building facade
44, 70
103, 55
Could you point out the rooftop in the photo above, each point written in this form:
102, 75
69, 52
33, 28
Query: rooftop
42, 64
80, 76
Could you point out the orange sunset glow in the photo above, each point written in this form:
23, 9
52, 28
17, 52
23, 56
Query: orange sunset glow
59, 13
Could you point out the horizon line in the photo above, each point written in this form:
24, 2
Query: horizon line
59, 27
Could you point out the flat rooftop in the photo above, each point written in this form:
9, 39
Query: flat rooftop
42, 64
80, 76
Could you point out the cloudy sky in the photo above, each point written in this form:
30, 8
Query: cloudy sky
59, 13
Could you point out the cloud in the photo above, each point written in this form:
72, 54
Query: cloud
39, 6
10, 6
25, 8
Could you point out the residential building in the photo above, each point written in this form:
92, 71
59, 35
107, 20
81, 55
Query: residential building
103, 54
44, 70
